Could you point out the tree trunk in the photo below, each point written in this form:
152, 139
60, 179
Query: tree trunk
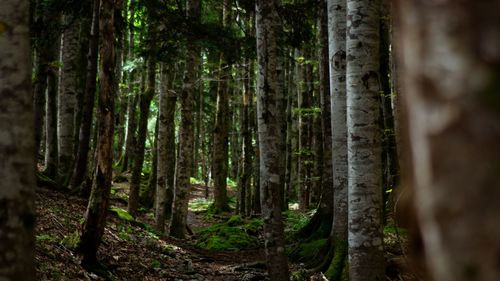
80, 169
337, 58
130, 139
182, 185
366, 260
51, 158
147, 195
166, 150
67, 99
221, 128
95, 216
269, 134
17, 210
246, 163
144, 106
451, 56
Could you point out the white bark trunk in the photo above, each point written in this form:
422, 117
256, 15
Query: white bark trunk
364, 141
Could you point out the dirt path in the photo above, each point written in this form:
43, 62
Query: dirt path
130, 251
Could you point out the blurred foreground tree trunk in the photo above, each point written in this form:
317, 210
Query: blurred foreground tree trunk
17, 143
451, 57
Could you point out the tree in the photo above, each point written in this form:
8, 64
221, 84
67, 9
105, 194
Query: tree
166, 150
67, 99
80, 170
451, 60
364, 141
95, 216
144, 105
17, 143
337, 58
221, 127
52, 17
269, 132
130, 139
182, 179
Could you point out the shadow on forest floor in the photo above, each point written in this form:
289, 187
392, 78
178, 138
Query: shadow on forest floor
132, 250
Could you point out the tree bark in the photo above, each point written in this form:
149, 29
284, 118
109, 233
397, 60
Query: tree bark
269, 134
51, 153
17, 143
451, 61
337, 61
221, 128
182, 185
95, 216
81, 161
130, 138
166, 150
67, 99
144, 106
366, 261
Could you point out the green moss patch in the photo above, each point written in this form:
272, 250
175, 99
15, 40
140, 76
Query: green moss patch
122, 214
232, 235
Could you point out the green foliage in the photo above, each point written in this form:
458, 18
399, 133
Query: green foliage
200, 204
195, 181
71, 241
309, 250
294, 221
231, 183
46, 238
155, 263
232, 235
124, 231
391, 229
306, 112
122, 214
300, 275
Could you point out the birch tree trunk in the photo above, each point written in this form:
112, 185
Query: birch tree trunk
17, 142
366, 261
269, 134
97, 209
183, 169
451, 56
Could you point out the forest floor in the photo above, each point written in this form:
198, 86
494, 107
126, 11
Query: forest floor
131, 249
